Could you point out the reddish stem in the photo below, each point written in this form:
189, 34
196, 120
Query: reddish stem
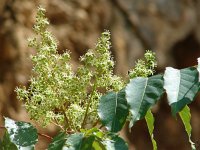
46, 136
2, 127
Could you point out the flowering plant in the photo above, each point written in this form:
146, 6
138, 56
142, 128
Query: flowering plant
81, 102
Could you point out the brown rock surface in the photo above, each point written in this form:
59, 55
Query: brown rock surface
168, 27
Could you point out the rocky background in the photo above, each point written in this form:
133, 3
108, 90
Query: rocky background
171, 28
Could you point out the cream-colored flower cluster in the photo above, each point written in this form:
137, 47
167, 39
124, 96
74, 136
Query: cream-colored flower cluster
57, 94
146, 67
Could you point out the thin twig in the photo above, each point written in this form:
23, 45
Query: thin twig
94, 124
46, 136
101, 126
2, 127
56, 124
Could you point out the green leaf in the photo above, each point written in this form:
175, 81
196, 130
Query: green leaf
87, 142
113, 110
116, 143
181, 87
97, 145
141, 94
58, 142
79, 141
186, 117
150, 124
23, 134
93, 131
74, 141
6, 144
96, 141
198, 67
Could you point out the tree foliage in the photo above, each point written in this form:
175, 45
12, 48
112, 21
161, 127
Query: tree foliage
77, 101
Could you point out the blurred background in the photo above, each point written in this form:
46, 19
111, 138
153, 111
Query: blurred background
171, 28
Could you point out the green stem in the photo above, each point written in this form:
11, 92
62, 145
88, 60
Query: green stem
88, 105
67, 122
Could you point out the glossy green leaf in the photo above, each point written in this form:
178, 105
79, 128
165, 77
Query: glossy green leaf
116, 143
113, 110
97, 140
198, 67
94, 139
6, 144
181, 87
98, 145
150, 124
141, 94
58, 142
79, 141
186, 117
93, 131
23, 134
74, 141
87, 142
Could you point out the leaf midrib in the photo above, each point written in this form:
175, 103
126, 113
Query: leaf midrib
115, 113
142, 98
178, 91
